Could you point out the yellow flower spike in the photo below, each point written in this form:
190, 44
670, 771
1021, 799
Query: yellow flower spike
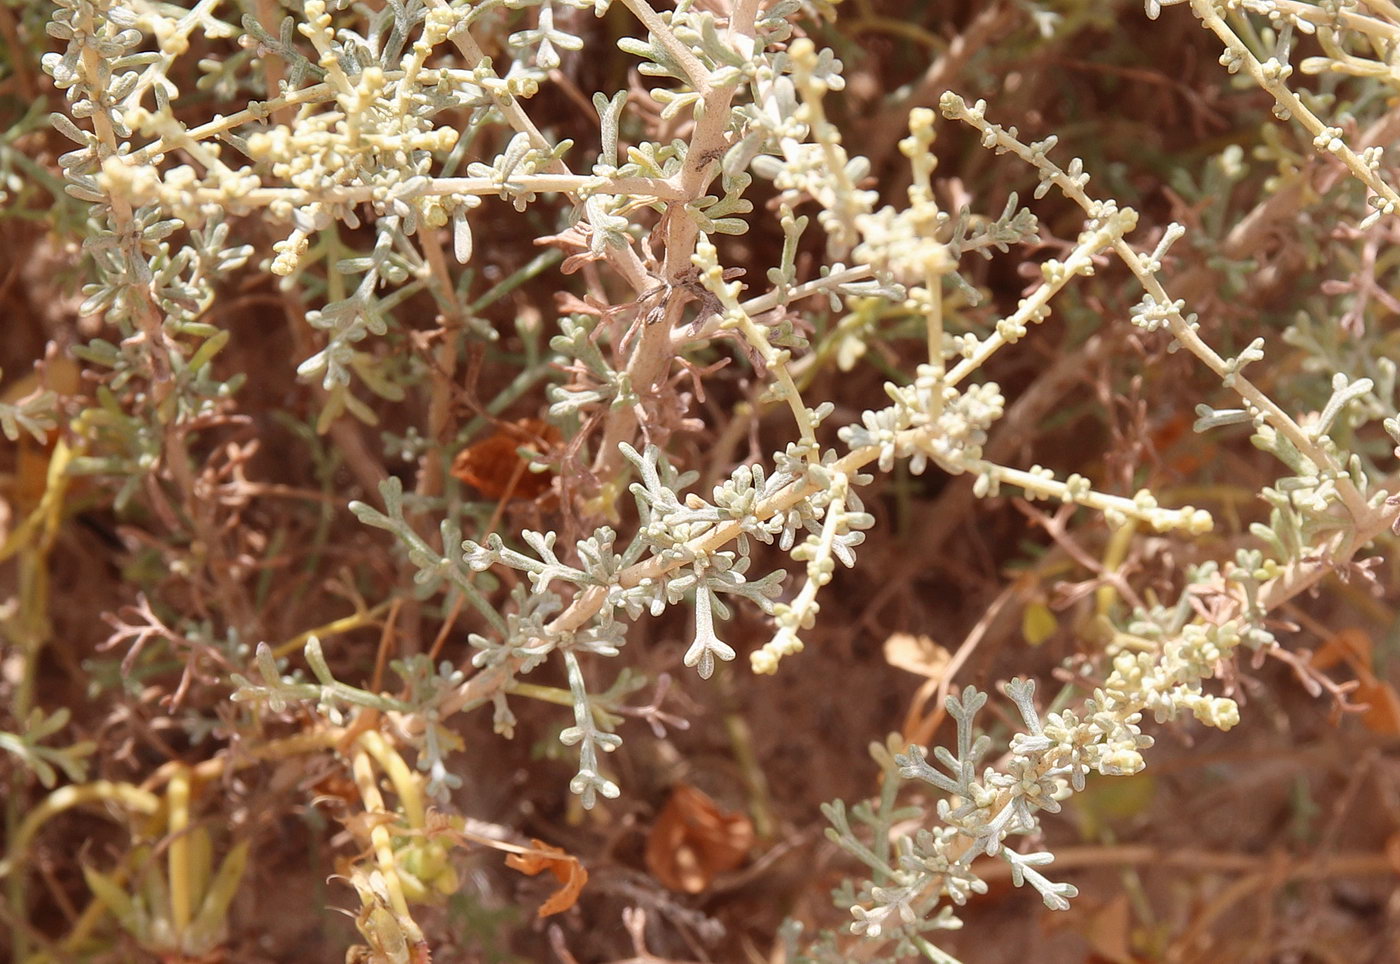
207, 930
155, 892
381, 840
178, 856
201, 862
110, 893
414, 858
379, 925
413, 888
406, 783
384, 934
448, 882
426, 870
423, 868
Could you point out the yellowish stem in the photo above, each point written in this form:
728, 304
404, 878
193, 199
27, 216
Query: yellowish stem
177, 798
382, 842
364, 617
1114, 554
66, 798
406, 784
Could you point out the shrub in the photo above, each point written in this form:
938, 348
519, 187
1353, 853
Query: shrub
593, 364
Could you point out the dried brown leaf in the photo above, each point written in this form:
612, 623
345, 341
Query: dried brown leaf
1382, 714
917, 654
565, 868
493, 465
693, 840
1352, 646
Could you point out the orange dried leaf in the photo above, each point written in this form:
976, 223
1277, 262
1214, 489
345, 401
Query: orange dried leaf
493, 465
693, 840
1383, 705
565, 868
1181, 450
1392, 851
916, 654
1109, 931
1352, 646
32, 472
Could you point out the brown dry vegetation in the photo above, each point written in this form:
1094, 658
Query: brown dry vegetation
1276, 841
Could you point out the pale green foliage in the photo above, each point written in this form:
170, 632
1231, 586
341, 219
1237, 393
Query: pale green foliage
33, 414
30, 749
